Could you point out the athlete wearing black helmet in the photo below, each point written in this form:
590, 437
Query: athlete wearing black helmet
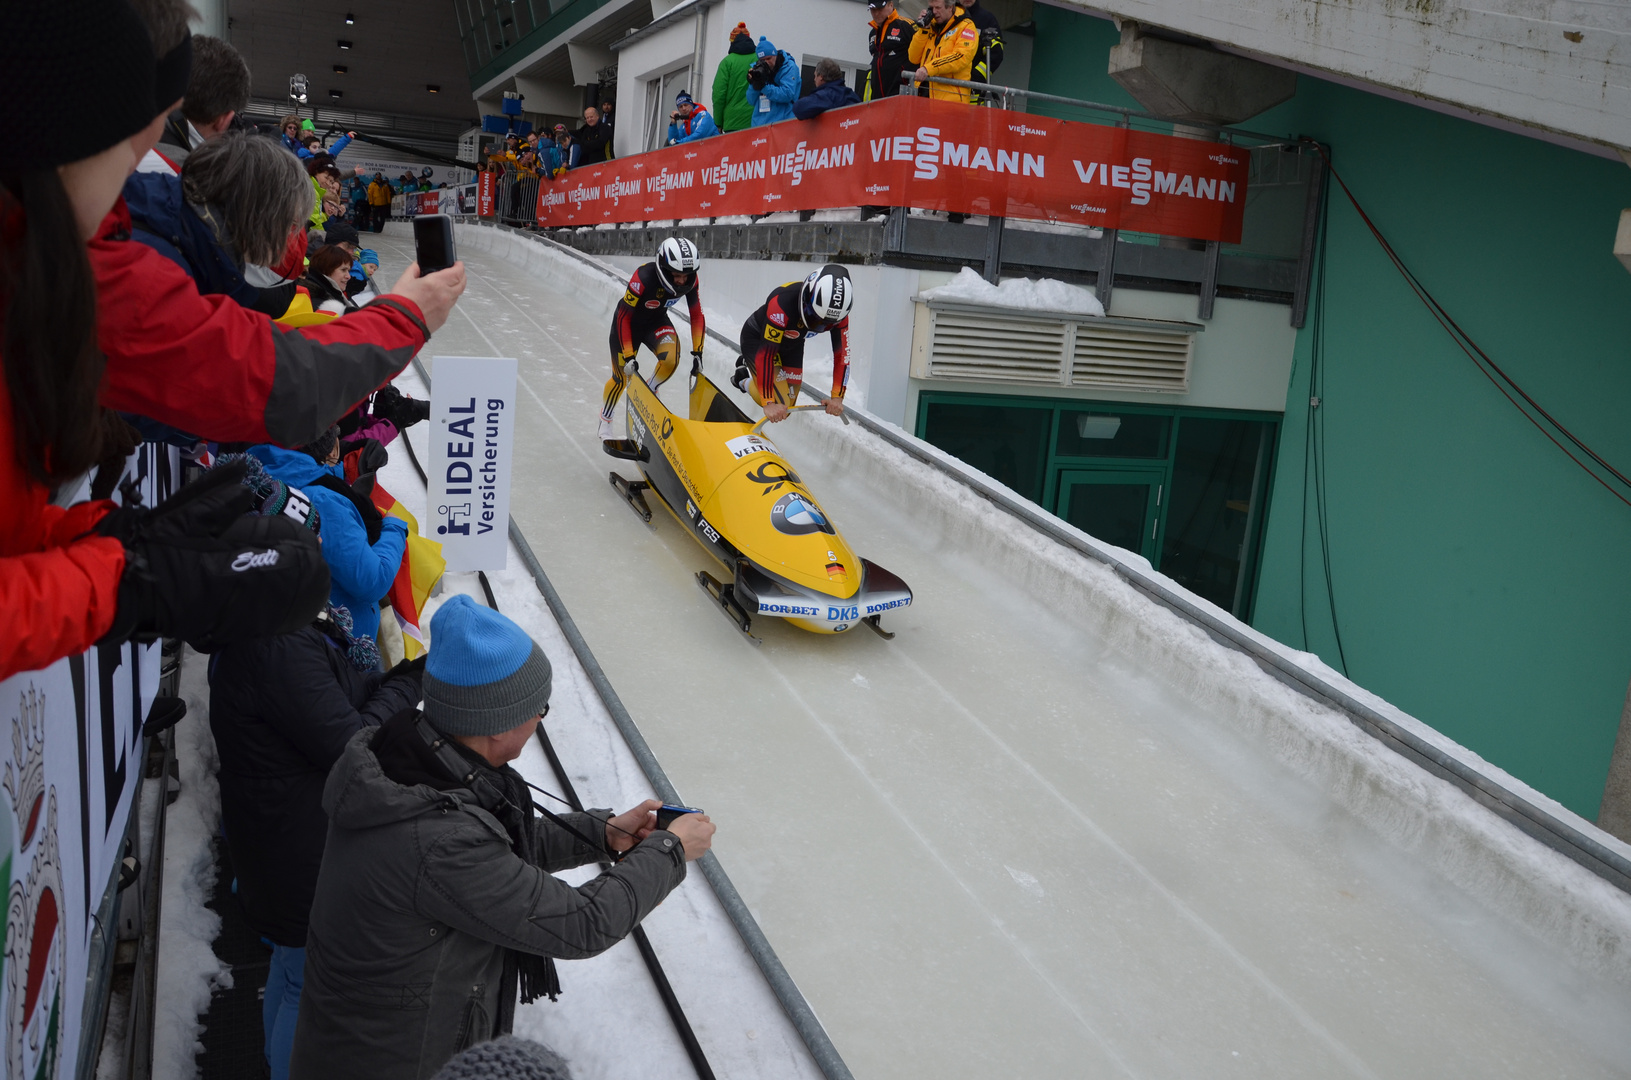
642, 319
772, 364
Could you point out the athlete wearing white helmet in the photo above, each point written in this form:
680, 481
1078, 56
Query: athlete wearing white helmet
642, 319
772, 364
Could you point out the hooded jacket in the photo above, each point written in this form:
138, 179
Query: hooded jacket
164, 342
162, 219
889, 45
774, 103
379, 193
833, 95
361, 572
731, 109
947, 52
699, 125
282, 710
420, 896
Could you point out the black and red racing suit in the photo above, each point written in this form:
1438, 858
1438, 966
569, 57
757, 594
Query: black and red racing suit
773, 341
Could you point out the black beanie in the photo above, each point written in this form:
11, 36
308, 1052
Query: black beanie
171, 74
92, 56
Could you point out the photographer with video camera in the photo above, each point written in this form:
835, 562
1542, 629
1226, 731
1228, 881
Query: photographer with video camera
436, 902
773, 85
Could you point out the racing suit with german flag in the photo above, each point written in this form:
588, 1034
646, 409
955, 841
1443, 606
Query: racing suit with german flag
642, 319
773, 341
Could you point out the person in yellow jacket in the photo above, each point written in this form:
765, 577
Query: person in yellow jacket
945, 46
379, 202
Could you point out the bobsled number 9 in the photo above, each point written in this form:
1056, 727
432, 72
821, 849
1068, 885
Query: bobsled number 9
748, 508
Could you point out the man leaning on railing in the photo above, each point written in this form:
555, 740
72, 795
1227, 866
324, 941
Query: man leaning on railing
689, 121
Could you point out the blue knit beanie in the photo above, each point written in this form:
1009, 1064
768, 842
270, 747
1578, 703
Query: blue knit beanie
765, 47
484, 675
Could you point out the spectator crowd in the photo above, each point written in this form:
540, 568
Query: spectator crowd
758, 83
170, 276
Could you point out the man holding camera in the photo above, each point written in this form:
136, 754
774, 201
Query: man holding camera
435, 903
689, 121
944, 46
773, 85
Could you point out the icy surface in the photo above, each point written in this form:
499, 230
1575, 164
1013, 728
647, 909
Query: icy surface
1052, 829
188, 969
609, 1022
1022, 293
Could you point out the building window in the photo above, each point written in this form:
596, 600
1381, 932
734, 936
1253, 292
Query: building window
660, 102
1185, 488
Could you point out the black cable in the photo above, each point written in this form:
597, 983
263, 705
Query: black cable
1482, 360
1316, 424
403, 148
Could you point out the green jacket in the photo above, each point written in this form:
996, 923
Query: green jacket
731, 109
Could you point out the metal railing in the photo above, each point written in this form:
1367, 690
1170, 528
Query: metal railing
516, 199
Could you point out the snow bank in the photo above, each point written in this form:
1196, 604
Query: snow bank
1019, 293
188, 969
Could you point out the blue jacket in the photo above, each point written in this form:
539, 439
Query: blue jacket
698, 126
775, 104
833, 95
161, 219
361, 574
549, 157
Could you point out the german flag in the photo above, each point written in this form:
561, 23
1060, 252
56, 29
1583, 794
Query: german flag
422, 566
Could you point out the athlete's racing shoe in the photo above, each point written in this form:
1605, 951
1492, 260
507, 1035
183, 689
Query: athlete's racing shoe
739, 377
605, 429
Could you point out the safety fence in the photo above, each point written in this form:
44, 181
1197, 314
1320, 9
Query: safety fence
72, 755
931, 155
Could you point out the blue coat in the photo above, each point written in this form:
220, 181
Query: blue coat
161, 219
361, 574
775, 103
700, 126
833, 95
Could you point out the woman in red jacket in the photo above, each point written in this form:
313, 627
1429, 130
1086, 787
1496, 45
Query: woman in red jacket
194, 567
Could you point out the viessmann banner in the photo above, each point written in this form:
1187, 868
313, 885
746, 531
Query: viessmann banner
909, 151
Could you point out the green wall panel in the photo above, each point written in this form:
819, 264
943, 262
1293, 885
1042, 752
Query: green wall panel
1482, 581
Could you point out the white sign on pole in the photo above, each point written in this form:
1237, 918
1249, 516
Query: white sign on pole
472, 418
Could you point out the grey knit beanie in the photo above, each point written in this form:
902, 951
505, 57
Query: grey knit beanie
506, 1058
484, 675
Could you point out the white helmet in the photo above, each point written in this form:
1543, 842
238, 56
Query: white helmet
677, 256
828, 295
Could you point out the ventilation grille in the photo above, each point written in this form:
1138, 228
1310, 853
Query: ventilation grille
995, 349
997, 345
1124, 359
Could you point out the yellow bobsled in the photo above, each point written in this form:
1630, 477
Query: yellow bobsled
733, 491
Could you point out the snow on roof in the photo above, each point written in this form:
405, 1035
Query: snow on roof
1045, 295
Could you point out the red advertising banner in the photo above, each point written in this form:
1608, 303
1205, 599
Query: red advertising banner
486, 194
937, 155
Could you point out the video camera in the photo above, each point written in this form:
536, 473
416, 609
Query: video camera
759, 75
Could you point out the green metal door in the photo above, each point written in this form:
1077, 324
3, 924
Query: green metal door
1119, 506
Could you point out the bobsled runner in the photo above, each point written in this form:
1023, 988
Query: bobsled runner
731, 489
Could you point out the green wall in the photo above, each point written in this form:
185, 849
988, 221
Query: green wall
1482, 581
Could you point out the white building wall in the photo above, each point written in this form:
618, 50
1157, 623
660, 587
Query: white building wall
808, 29
1242, 360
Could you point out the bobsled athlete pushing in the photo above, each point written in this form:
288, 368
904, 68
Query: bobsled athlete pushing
732, 490
773, 339
642, 319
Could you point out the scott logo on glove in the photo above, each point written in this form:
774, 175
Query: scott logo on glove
249, 560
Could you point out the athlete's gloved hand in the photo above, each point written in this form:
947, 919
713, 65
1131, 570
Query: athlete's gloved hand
198, 568
739, 377
696, 361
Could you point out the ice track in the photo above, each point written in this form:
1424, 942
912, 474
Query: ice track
1050, 830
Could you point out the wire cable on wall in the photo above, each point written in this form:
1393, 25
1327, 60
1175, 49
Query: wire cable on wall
1314, 448
1547, 424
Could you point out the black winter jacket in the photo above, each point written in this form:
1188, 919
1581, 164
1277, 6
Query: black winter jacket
282, 710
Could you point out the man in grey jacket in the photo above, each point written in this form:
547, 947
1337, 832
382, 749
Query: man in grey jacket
435, 903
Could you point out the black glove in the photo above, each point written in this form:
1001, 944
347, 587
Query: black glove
739, 377
198, 569
409, 669
696, 361
385, 401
